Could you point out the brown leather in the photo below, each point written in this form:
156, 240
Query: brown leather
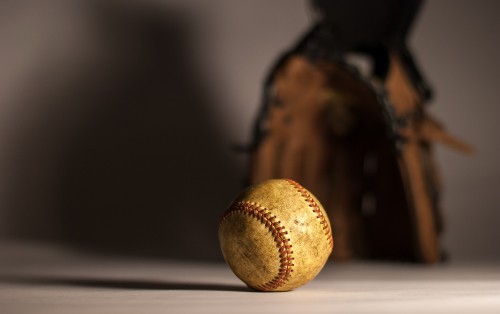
327, 128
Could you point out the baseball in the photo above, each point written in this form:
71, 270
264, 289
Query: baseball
275, 236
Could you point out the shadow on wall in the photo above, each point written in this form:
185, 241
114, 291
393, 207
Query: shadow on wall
137, 164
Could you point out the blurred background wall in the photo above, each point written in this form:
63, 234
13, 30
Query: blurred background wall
117, 118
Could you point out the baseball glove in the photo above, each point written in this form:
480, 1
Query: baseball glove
361, 141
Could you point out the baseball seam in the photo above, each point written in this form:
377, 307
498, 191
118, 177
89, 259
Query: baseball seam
278, 231
316, 209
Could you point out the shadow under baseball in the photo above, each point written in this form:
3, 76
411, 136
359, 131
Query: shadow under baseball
124, 284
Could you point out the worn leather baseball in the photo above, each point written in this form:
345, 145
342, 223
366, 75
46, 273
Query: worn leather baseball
275, 236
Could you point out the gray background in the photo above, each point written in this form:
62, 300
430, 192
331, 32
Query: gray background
117, 117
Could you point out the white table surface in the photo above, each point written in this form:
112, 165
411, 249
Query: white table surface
50, 279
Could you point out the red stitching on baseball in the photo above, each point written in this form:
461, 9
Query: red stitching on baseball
282, 242
315, 208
